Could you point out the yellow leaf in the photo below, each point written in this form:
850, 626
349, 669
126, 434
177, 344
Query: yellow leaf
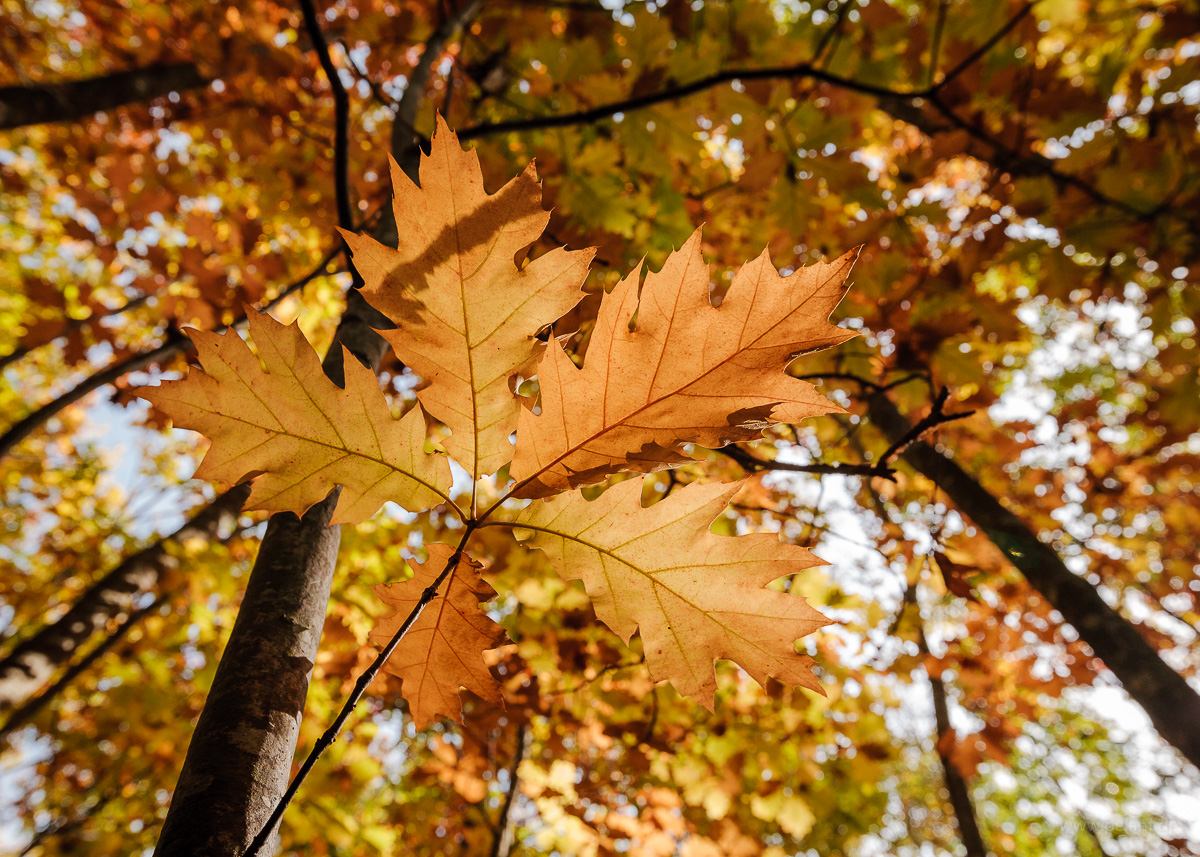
468, 315
667, 369
299, 430
694, 596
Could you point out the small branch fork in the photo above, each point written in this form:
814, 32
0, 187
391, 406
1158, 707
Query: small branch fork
937, 416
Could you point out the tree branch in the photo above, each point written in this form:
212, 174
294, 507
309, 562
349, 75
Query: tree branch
1172, 705
34, 104
34, 660
906, 105
341, 104
69, 326
504, 836
956, 785
34, 706
936, 417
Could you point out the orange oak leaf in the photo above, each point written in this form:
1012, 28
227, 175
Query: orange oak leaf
297, 432
443, 650
668, 368
468, 313
694, 595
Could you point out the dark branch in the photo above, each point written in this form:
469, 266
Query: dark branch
34, 660
70, 325
341, 103
34, 104
881, 468
956, 785
754, 464
937, 416
906, 105
31, 708
982, 51
503, 838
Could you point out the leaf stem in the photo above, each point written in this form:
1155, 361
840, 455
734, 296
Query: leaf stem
360, 687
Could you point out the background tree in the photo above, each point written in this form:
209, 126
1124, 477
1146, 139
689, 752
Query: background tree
1022, 179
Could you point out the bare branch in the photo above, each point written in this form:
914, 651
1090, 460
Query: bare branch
34, 104
34, 706
341, 104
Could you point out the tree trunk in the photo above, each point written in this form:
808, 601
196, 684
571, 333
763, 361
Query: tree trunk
35, 660
240, 756
1170, 702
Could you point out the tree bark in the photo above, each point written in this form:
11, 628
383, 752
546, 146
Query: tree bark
35, 660
34, 104
240, 758
1169, 701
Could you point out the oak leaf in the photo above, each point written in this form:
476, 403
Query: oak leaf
666, 368
443, 650
467, 313
296, 431
694, 596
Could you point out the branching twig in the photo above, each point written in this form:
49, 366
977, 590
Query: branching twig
937, 416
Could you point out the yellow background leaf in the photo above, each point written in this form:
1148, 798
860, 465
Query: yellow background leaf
299, 430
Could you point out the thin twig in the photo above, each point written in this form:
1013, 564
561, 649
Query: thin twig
982, 51
754, 463
70, 325
360, 687
880, 469
936, 417
935, 48
502, 841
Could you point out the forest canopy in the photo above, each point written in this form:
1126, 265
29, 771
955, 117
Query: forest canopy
849, 354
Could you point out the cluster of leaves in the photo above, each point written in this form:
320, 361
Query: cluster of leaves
664, 369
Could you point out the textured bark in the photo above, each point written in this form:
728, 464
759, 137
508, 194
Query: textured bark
35, 660
241, 753
34, 104
1170, 702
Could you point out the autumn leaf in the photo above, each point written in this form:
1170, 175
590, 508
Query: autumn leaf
667, 368
443, 650
296, 431
468, 313
694, 596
